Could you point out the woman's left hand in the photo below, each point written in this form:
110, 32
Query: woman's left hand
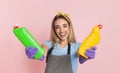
91, 52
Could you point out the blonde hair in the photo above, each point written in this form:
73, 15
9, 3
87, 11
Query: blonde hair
53, 35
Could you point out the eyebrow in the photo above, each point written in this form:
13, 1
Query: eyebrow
62, 25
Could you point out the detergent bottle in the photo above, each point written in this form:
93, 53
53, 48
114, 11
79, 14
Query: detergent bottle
91, 40
28, 40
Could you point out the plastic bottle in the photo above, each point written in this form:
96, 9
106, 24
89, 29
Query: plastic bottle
92, 40
28, 40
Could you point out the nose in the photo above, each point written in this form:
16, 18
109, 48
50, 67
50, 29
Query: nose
61, 29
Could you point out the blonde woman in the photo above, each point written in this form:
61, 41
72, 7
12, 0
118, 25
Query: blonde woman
62, 47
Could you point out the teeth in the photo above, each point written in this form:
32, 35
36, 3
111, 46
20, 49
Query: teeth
62, 34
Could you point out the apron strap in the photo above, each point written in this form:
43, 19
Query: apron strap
50, 51
68, 53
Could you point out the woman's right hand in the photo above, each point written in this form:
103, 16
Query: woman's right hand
30, 52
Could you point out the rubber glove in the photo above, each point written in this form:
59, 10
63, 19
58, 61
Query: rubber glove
90, 53
30, 52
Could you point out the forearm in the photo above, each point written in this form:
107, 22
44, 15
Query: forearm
45, 48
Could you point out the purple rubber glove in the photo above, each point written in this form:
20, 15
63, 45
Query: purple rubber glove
30, 52
90, 53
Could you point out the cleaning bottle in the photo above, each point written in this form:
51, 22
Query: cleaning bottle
92, 40
28, 40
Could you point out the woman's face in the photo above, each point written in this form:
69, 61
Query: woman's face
62, 29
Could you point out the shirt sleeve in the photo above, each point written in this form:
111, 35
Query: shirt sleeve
78, 45
48, 43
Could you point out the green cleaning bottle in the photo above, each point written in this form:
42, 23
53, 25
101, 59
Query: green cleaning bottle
28, 40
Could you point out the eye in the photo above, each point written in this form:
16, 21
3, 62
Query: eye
65, 25
57, 27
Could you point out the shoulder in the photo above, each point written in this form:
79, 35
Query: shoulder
48, 43
75, 45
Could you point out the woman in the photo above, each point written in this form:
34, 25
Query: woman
62, 48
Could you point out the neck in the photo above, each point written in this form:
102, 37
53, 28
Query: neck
63, 43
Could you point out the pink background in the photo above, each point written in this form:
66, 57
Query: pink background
37, 15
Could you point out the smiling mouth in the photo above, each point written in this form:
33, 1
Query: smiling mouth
62, 35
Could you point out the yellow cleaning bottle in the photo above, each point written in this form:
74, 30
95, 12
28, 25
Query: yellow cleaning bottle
92, 40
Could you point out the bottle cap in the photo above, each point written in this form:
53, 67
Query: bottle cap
100, 26
16, 26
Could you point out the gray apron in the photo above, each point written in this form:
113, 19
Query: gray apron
59, 64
